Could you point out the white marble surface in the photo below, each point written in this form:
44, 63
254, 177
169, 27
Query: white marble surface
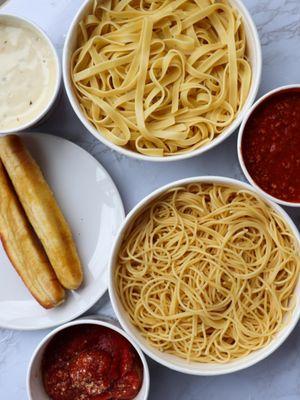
278, 377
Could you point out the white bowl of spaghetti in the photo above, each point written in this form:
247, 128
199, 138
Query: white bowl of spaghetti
204, 274
164, 82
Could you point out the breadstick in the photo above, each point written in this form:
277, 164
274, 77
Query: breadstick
42, 211
25, 250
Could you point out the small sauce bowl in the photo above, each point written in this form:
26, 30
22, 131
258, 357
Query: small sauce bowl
42, 113
257, 106
35, 387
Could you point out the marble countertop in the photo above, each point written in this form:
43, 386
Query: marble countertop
277, 377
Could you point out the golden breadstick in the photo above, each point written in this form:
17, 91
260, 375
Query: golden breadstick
24, 248
42, 211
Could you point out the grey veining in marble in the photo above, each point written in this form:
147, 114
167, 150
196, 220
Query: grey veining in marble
277, 377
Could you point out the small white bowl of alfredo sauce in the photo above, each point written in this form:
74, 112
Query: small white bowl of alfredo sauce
30, 74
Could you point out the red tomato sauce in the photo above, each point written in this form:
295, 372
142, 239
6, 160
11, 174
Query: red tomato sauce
271, 145
90, 362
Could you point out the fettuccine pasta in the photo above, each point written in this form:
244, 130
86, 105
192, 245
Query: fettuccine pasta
207, 272
161, 77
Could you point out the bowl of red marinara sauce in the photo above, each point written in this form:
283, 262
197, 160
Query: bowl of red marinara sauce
88, 359
269, 145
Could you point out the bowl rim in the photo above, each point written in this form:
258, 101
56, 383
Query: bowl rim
240, 140
91, 320
225, 368
58, 78
256, 77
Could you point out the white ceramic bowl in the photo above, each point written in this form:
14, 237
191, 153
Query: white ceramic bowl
254, 50
240, 139
172, 361
35, 388
44, 111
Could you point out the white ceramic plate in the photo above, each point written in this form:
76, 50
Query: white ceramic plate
92, 205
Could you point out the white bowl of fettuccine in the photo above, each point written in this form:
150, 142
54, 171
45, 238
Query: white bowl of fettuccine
204, 274
162, 80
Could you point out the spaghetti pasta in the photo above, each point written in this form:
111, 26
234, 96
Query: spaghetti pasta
161, 77
207, 272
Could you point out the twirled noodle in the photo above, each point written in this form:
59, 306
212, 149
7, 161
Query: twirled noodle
161, 77
207, 272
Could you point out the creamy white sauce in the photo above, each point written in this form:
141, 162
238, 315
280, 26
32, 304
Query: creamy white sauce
28, 74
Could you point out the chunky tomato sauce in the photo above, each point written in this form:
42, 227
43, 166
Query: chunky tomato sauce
271, 145
90, 362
